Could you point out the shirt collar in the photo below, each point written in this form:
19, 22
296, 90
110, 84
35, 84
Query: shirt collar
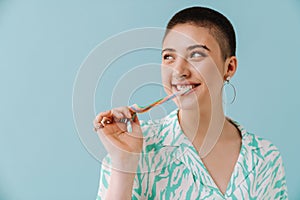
174, 136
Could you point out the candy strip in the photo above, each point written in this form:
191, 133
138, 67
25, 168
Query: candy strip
141, 109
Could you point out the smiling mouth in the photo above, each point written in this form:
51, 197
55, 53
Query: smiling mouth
182, 87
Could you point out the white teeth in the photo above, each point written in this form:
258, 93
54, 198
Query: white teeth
183, 87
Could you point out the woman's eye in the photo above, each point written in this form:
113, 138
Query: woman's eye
168, 57
197, 54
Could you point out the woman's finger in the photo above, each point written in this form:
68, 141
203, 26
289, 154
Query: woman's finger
136, 127
125, 111
106, 120
117, 114
121, 116
103, 114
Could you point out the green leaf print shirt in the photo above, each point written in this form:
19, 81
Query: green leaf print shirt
170, 167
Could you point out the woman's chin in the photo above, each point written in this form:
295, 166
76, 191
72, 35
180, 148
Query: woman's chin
188, 104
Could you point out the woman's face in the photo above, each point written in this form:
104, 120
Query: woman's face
191, 58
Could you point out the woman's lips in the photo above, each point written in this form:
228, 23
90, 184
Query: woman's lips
182, 87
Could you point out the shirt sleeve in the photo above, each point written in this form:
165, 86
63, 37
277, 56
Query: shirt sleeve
272, 184
279, 181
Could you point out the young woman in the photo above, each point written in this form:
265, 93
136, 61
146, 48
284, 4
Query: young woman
195, 152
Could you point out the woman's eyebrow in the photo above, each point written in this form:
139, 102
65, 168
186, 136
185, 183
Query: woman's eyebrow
188, 49
197, 46
168, 49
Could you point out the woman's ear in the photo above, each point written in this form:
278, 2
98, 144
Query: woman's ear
230, 67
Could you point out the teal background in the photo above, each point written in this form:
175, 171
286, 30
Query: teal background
43, 43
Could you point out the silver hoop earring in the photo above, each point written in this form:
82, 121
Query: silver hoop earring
227, 82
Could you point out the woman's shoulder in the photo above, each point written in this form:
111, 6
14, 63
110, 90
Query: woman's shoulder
262, 147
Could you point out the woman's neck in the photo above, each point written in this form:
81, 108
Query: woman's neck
203, 126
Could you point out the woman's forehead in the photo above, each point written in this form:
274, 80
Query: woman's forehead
183, 35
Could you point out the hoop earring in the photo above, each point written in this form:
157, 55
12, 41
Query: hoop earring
227, 82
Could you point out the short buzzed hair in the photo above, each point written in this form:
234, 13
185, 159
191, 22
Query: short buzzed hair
220, 27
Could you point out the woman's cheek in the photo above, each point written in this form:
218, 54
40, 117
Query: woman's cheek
211, 76
166, 75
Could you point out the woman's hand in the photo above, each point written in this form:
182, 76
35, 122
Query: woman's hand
124, 147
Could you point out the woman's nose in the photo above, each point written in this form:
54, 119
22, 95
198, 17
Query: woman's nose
181, 69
